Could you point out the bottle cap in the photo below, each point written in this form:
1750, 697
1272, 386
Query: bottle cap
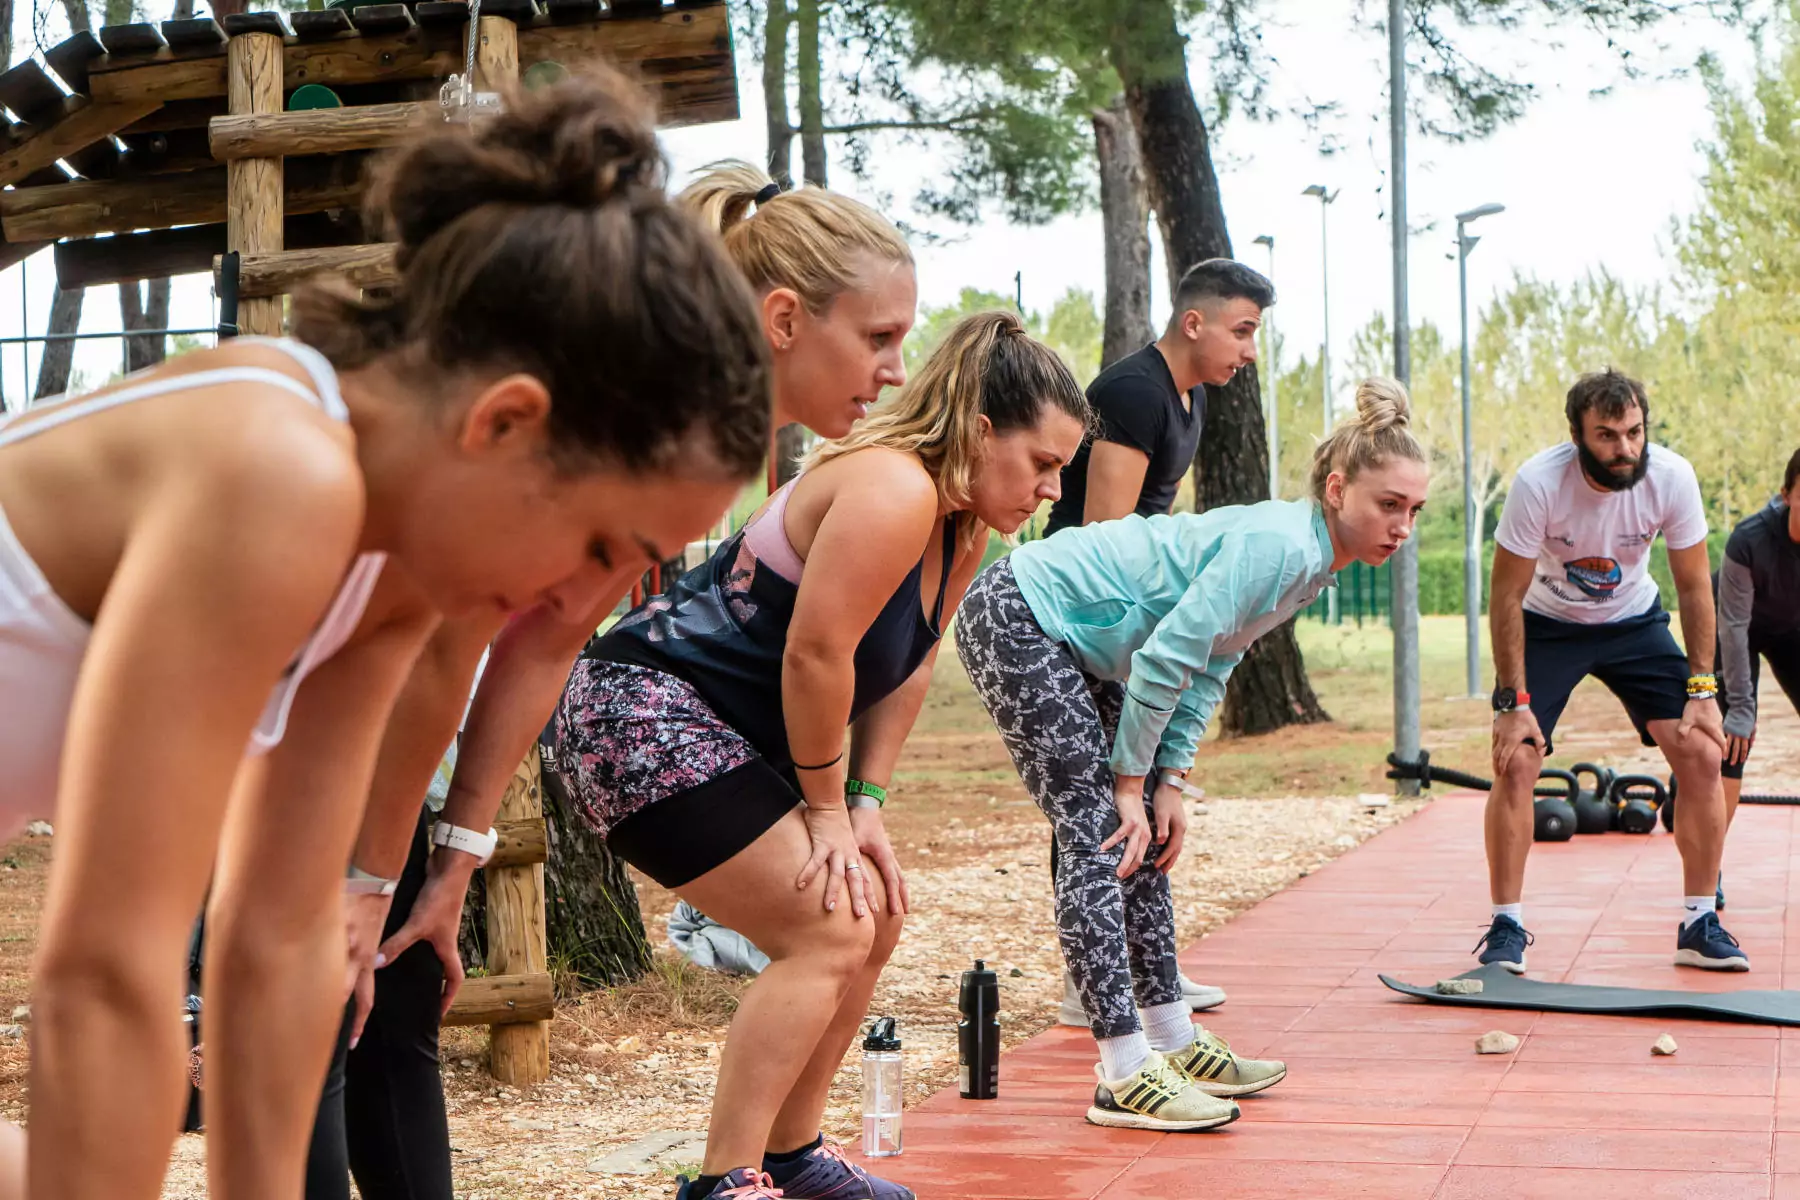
882, 1036
980, 975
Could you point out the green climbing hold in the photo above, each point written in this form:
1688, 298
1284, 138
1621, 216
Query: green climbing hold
313, 95
543, 74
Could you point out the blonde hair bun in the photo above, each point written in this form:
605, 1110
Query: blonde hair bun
1382, 403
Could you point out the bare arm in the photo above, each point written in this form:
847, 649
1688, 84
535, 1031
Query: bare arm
1115, 480
219, 581
1507, 586
1692, 569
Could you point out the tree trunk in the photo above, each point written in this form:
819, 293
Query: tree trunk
136, 311
775, 103
790, 444
590, 904
59, 356
812, 101
1269, 690
6, 37
1125, 219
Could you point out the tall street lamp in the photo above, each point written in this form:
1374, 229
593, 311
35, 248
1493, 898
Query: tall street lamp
1325, 197
1465, 242
1268, 239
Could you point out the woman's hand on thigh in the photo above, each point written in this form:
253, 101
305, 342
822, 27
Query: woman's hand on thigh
1171, 825
833, 852
1134, 823
872, 840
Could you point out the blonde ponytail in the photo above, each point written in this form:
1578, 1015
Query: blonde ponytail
1380, 431
808, 239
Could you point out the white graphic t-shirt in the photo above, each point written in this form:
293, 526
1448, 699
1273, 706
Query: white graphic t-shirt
1593, 547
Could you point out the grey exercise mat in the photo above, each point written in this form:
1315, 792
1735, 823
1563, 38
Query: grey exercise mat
1502, 989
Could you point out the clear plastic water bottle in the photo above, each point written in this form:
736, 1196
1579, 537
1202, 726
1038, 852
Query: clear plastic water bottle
881, 1090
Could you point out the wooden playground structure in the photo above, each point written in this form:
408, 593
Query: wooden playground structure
237, 146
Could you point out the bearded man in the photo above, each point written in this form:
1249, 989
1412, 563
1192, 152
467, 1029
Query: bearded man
1571, 596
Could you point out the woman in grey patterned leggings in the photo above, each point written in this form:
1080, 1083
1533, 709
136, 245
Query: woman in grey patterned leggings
1101, 653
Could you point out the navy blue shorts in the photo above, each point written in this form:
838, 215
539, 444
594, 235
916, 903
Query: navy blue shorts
1637, 659
1783, 653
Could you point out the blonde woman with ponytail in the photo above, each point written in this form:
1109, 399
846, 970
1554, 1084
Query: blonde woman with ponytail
704, 734
1101, 653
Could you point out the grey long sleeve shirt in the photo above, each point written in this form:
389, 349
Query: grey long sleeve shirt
1758, 600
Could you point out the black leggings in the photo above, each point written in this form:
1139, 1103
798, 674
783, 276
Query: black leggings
382, 1112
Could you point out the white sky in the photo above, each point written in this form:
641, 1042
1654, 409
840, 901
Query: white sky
1588, 183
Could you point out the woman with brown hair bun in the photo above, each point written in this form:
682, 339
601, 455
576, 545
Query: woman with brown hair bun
216, 575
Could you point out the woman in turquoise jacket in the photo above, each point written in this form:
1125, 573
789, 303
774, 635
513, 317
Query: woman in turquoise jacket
1101, 653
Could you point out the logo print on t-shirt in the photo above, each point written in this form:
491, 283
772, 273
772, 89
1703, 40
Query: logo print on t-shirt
1596, 577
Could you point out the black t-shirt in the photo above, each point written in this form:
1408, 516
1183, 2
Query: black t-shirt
1138, 406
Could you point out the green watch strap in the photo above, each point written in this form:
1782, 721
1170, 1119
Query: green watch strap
858, 787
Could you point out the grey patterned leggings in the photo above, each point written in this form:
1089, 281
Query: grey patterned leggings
1057, 721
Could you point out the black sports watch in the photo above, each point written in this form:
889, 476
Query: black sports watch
1507, 699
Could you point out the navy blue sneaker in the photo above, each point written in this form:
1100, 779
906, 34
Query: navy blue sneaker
1505, 940
1706, 945
745, 1183
826, 1174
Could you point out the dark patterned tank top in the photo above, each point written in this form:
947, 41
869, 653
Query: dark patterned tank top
723, 629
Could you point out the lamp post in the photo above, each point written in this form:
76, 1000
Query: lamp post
1268, 328
1404, 576
1471, 526
1325, 197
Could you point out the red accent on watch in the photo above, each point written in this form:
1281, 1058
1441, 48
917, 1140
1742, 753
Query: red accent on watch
1521, 699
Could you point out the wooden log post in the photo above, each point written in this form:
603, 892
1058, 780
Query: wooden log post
519, 1052
254, 196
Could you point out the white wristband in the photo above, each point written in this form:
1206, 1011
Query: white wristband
358, 882
455, 837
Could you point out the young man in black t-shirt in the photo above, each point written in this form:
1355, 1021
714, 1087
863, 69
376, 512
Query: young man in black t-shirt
1151, 406
1152, 403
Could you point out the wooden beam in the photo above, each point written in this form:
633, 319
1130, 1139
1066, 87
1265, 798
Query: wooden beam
315, 131
279, 272
190, 250
682, 54
520, 1053
254, 200
66, 210
521, 843
84, 124
503, 1000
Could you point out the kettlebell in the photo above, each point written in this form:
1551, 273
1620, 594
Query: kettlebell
1593, 806
1668, 808
1637, 797
1554, 809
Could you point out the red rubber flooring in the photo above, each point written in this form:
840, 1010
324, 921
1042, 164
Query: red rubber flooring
1385, 1096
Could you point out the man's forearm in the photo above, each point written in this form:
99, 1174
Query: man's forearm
1506, 629
1697, 626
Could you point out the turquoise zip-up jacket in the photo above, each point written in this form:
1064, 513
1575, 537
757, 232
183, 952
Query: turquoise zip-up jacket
1169, 604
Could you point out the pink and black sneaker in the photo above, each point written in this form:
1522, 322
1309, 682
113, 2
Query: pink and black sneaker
745, 1183
824, 1173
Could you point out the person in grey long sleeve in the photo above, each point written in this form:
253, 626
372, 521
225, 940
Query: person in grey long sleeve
1759, 618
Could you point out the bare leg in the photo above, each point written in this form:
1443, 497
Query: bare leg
814, 959
1701, 815
12, 1161
1509, 825
1733, 789
800, 1117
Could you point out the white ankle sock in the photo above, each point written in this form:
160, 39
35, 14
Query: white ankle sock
1695, 907
1123, 1057
1168, 1026
1515, 911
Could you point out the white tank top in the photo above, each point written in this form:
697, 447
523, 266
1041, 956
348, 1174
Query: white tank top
43, 641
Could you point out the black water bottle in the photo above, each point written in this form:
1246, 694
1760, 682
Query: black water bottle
978, 1033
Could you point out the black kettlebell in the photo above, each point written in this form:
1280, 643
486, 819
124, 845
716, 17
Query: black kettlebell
1593, 806
1637, 797
1554, 808
1668, 808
